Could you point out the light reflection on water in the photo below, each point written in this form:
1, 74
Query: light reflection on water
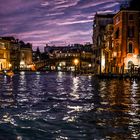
59, 106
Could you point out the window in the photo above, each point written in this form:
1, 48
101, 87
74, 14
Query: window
130, 48
117, 19
130, 31
131, 17
117, 33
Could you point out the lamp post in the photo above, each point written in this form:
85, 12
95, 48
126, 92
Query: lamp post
76, 61
89, 66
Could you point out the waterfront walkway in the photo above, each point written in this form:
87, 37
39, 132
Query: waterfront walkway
119, 76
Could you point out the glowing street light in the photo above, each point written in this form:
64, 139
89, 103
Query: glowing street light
89, 65
10, 65
76, 61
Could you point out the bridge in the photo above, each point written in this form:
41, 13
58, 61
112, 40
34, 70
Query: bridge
40, 65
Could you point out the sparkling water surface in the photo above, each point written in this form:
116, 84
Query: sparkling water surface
59, 106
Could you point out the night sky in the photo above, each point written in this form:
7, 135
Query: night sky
55, 22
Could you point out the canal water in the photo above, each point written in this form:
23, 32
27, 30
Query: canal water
59, 106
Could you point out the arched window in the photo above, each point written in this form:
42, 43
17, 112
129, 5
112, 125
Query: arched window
130, 48
130, 31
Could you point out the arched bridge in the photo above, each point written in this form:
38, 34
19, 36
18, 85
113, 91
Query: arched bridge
39, 65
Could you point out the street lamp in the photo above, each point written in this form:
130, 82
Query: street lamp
10, 65
75, 61
89, 66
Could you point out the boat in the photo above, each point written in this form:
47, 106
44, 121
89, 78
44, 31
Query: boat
8, 73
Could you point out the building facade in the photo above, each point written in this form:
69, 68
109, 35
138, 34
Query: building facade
109, 61
99, 28
26, 57
15, 54
126, 42
62, 58
4, 55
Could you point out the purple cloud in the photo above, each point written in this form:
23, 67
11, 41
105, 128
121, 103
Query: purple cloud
58, 21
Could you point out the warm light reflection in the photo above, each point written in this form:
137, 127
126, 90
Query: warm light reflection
103, 63
75, 108
22, 83
75, 94
22, 73
37, 77
69, 118
78, 103
8, 119
60, 74
62, 138
134, 87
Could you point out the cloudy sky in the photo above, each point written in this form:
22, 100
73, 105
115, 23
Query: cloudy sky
56, 22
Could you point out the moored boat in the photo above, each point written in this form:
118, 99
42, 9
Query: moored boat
8, 73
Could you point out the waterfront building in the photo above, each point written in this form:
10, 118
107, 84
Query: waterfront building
99, 28
116, 45
62, 57
13, 52
4, 55
109, 59
126, 40
14, 55
26, 62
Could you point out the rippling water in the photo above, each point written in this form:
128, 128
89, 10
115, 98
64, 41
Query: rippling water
59, 106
